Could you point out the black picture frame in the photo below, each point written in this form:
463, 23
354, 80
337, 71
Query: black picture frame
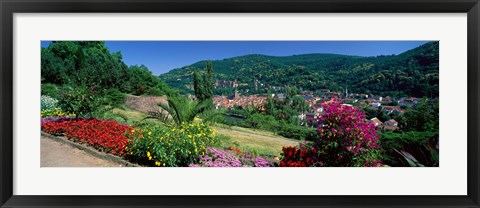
10, 7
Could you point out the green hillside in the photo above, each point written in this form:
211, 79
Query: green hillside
412, 73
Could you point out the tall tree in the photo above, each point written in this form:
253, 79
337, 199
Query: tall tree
209, 81
203, 84
198, 85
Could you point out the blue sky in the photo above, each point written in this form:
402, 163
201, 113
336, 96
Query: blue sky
163, 56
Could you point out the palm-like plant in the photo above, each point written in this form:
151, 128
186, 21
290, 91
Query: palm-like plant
181, 109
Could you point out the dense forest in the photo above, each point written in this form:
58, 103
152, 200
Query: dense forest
412, 73
91, 64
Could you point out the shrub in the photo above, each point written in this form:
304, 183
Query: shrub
176, 146
155, 91
48, 103
81, 101
50, 90
113, 97
346, 138
297, 132
107, 136
224, 158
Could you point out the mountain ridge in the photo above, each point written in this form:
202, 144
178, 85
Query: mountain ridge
400, 74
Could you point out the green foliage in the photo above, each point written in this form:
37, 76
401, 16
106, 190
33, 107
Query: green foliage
81, 101
91, 64
287, 109
260, 121
203, 84
142, 82
181, 109
50, 90
412, 73
422, 117
411, 148
297, 132
382, 115
178, 146
85, 63
113, 97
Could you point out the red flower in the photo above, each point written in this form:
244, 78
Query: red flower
108, 136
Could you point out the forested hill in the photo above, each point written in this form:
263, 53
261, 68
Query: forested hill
412, 73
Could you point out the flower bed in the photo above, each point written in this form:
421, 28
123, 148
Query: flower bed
302, 156
176, 146
107, 136
232, 158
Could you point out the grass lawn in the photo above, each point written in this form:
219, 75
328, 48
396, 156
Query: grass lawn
262, 144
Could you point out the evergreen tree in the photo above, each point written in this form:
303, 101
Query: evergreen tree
209, 81
203, 83
198, 85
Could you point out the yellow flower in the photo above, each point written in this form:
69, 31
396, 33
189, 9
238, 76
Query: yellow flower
158, 163
133, 131
149, 133
163, 164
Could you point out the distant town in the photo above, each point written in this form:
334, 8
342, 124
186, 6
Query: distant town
315, 99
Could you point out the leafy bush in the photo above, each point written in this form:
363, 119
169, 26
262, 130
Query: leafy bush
48, 103
155, 91
297, 132
177, 146
107, 136
81, 101
113, 97
346, 138
224, 158
234, 121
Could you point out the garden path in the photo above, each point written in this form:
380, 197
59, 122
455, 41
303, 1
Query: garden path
57, 154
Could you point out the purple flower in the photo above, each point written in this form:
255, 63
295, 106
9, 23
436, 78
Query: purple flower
223, 158
55, 119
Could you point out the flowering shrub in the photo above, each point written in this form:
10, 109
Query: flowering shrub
346, 138
224, 158
55, 112
107, 136
303, 156
48, 103
80, 100
176, 146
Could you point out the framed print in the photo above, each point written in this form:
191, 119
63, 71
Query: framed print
248, 104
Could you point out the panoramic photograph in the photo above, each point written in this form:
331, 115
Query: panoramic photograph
239, 104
